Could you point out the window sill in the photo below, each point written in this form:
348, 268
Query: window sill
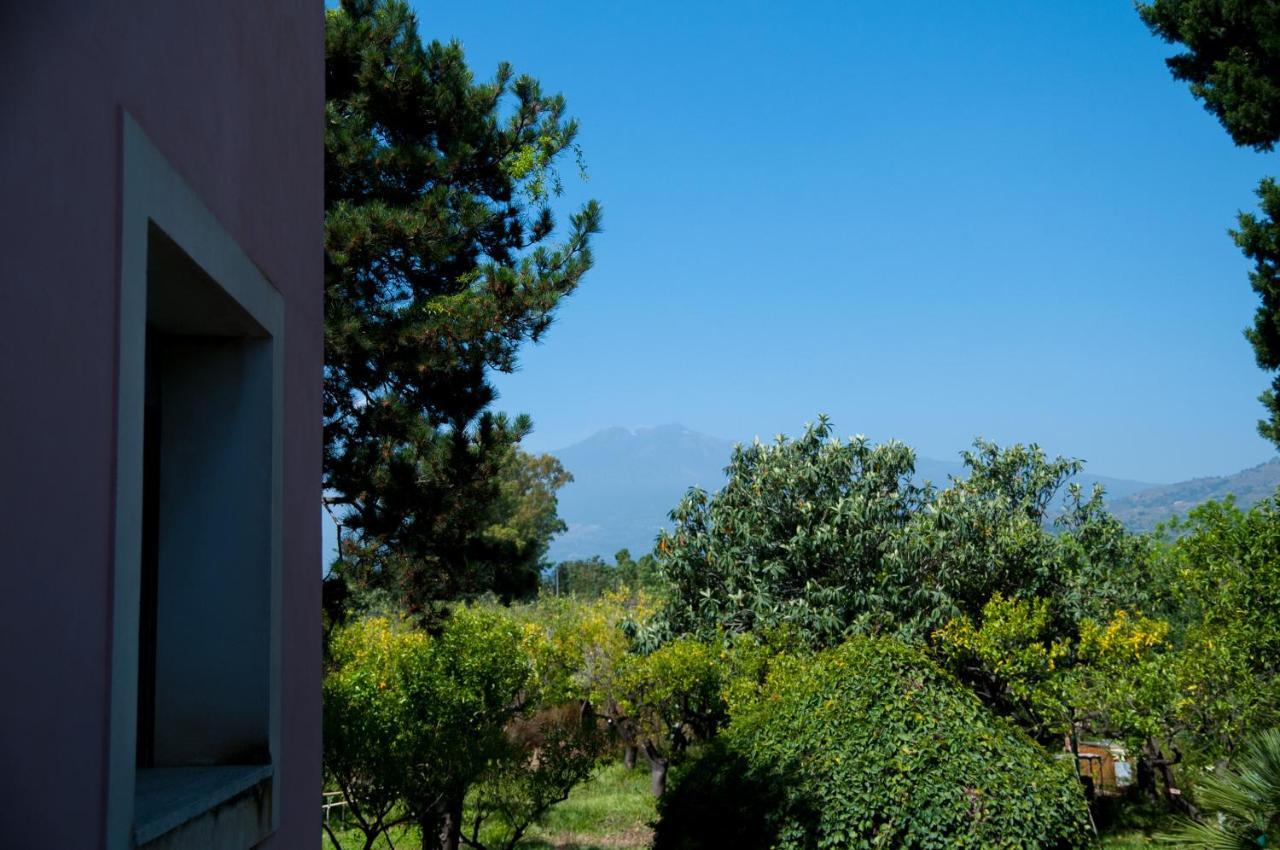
169, 798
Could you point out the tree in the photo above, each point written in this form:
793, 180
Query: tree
439, 264
638, 573
797, 536
550, 753
830, 538
1259, 239
1232, 64
584, 578
1226, 583
524, 519
1233, 50
415, 720
585, 644
869, 744
671, 698
590, 578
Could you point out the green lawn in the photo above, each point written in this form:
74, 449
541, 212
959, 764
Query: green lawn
1125, 841
611, 812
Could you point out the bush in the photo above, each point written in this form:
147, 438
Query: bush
870, 744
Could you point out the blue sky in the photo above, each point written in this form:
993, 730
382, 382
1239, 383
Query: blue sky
929, 220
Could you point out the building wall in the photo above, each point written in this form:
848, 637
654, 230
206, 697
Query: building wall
232, 94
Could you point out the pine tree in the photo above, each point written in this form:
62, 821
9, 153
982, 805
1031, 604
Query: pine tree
442, 258
1232, 64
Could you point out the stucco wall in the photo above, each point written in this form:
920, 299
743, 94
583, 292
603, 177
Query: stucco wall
232, 94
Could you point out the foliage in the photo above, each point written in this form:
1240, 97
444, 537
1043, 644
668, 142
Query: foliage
1226, 581
1114, 678
1233, 47
524, 516
1243, 802
585, 578
670, 698
1012, 661
797, 536
588, 578
580, 645
549, 755
722, 799
610, 811
870, 745
1231, 62
639, 573
439, 264
415, 718
1258, 237
831, 538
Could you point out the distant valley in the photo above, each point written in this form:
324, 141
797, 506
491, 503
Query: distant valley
627, 479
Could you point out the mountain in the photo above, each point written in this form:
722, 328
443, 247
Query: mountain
1141, 511
627, 479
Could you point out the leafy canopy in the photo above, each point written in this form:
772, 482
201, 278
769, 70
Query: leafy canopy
441, 260
413, 719
1232, 64
870, 745
828, 537
1233, 48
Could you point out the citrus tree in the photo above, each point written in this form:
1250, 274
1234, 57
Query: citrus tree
413, 720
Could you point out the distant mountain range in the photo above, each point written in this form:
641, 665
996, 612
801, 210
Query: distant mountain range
1143, 510
627, 479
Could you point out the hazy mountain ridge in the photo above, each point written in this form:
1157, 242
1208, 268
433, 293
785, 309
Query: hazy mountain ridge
1143, 510
625, 482
627, 479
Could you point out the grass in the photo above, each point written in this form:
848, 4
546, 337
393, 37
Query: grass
1130, 840
612, 811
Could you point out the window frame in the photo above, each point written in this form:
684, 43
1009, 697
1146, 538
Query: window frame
154, 195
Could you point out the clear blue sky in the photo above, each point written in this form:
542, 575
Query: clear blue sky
930, 220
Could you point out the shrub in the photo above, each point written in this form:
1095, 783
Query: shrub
869, 745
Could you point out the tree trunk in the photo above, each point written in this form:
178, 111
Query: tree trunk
1146, 778
442, 828
629, 756
451, 823
658, 776
430, 833
657, 769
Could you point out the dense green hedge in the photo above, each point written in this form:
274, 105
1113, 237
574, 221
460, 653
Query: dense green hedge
870, 745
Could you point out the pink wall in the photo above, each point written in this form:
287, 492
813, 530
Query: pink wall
232, 94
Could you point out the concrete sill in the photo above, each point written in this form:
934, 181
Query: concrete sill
169, 798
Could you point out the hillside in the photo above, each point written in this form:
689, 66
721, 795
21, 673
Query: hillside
1143, 510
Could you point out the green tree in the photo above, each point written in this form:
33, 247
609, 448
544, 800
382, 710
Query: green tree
1258, 237
638, 573
1233, 50
869, 744
1226, 581
524, 519
415, 720
670, 698
798, 536
440, 262
549, 754
585, 578
1232, 64
830, 538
